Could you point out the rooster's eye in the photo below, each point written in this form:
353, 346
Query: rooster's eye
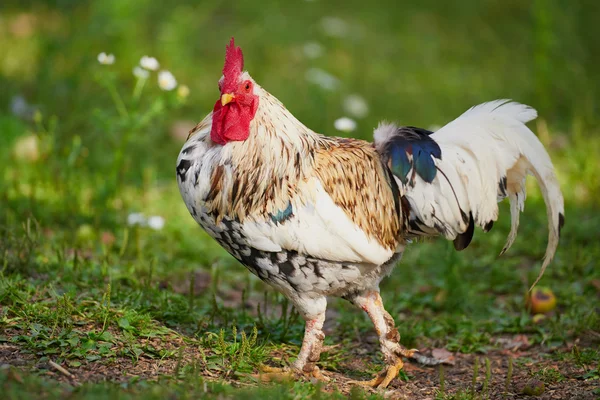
247, 86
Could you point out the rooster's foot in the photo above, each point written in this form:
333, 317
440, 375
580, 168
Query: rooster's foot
270, 374
383, 379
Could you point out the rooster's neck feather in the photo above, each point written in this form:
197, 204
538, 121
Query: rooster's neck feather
260, 175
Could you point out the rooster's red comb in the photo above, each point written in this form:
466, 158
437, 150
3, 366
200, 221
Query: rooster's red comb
234, 65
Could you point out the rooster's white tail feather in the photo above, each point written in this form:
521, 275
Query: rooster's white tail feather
480, 158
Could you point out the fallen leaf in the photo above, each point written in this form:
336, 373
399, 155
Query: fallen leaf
515, 343
443, 356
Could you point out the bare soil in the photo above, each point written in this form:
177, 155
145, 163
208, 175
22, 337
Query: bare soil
424, 382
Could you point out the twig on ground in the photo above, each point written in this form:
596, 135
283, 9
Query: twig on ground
61, 369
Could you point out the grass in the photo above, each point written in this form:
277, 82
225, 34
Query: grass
134, 312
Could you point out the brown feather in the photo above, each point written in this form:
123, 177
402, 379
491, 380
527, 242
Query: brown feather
353, 175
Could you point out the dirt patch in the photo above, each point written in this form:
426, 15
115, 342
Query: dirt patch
114, 369
423, 383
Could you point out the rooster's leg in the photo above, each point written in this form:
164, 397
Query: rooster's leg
389, 338
312, 344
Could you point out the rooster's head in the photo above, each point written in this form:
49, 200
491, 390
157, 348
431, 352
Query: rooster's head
237, 106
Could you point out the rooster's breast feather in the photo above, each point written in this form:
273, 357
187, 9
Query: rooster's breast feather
345, 211
315, 226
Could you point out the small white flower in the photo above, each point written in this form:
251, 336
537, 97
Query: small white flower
156, 222
106, 59
166, 80
136, 219
183, 91
140, 73
345, 124
27, 148
149, 63
356, 105
312, 50
334, 26
322, 78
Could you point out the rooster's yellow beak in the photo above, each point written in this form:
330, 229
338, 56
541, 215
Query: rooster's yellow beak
227, 98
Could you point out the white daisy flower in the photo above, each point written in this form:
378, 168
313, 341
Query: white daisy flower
356, 106
322, 78
136, 219
156, 222
106, 59
334, 26
140, 73
166, 80
345, 124
312, 50
149, 63
26, 148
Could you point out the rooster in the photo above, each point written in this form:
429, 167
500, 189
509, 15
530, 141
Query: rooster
316, 216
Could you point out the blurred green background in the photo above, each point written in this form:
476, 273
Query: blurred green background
420, 63
84, 145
